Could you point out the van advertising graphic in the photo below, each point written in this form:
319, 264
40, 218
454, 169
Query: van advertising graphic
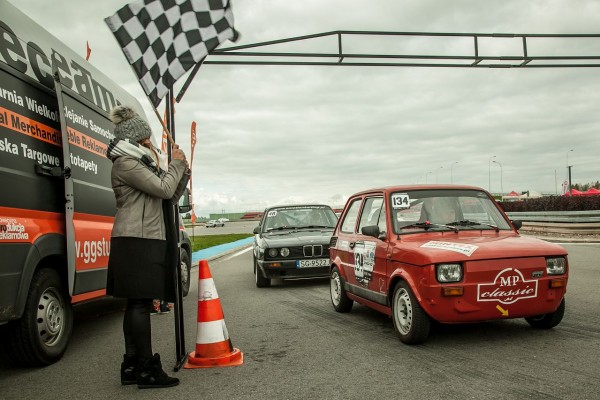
31, 50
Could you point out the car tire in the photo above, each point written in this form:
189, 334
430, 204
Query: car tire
260, 280
185, 265
339, 299
41, 336
548, 321
411, 323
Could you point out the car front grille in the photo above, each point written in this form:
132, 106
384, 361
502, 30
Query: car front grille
308, 251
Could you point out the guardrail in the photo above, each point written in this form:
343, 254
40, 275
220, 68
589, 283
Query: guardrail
565, 222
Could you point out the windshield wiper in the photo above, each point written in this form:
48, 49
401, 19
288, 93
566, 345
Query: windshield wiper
316, 227
473, 223
428, 225
281, 228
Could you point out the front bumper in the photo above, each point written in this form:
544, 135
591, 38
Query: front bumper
288, 269
467, 307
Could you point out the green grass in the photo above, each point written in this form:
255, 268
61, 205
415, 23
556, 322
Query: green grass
200, 242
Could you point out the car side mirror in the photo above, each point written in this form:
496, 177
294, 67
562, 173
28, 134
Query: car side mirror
518, 224
371, 230
184, 202
256, 230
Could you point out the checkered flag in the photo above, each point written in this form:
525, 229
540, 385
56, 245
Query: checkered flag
162, 39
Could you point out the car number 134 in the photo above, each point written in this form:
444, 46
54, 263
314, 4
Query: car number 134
319, 262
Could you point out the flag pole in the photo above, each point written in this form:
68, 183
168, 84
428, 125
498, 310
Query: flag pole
164, 125
181, 354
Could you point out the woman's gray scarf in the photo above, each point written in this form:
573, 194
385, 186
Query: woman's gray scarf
124, 147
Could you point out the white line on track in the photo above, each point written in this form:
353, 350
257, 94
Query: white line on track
238, 253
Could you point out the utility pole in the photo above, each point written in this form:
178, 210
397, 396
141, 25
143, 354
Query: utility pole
569, 168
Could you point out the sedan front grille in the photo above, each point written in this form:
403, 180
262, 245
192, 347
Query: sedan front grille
298, 253
312, 250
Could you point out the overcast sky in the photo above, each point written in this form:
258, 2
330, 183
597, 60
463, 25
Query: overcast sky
281, 134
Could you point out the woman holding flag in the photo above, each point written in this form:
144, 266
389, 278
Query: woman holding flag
139, 268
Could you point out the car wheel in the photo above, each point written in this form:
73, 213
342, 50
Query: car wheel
42, 334
339, 299
185, 265
260, 280
411, 323
550, 320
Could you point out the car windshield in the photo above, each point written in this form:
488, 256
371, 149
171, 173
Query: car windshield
445, 209
299, 217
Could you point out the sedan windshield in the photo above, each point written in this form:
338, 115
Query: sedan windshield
418, 210
299, 217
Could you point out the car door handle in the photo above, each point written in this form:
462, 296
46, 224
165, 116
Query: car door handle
352, 244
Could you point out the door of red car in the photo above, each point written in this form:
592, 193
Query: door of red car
346, 235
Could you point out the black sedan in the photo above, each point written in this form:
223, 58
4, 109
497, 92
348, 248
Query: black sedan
293, 242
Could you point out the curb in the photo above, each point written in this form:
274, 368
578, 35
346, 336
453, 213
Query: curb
244, 243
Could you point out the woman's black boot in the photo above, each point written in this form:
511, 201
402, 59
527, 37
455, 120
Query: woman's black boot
128, 370
151, 375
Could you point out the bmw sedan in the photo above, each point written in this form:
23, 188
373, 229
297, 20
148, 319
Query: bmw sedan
293, 242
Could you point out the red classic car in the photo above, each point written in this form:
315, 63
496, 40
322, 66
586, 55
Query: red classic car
443, 253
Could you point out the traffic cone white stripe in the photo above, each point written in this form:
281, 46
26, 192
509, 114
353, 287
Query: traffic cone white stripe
212, 332
207, 290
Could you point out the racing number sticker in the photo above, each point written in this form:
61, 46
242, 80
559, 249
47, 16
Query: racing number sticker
364, 260
400, 201
272, 213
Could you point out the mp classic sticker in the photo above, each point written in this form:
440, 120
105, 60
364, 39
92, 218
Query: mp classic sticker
400, 200
466, 249
364, 260
508, 287
271, 213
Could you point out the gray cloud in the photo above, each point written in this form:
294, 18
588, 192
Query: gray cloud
277, 134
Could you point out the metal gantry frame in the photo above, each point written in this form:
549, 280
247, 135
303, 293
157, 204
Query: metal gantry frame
241, 56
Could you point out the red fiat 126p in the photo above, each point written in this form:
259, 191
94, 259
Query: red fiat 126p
445, 253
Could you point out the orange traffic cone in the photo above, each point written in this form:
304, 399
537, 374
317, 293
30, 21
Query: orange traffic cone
213, 346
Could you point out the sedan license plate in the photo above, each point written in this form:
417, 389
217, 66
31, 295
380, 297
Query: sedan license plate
317, 262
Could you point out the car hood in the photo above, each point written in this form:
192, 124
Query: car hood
297, 238
437, 248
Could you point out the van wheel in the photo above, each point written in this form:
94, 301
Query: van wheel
339, 299
185, 265
548, 321
260, 280
42, 334
411, 323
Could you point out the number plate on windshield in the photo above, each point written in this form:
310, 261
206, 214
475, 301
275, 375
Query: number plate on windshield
317, 262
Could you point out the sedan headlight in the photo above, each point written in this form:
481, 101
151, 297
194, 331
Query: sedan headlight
556, 265
284, 252
449, 273
272, 253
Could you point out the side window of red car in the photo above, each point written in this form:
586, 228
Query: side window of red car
371, 211
350, 218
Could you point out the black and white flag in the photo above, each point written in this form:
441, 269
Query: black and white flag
162, 39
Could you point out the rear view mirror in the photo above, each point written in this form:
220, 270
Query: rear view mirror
256, 230
184, 202
371, 230
517, 224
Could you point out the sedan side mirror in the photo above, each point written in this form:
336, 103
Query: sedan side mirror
517, 223
184, 202
256, 230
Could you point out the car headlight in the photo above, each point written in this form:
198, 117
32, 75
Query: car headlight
556, 265
284, 252
272, 253
449, 272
